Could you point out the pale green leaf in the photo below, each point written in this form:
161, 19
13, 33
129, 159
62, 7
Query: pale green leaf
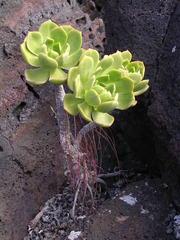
74, 40
59, 36
67, 28
141, 87
71, 104
63, 57
111, 87
99, 89
57, 76
57, 48
78, 88
107, 106
136, 77
47, 62
44, 49
49, 43
94, 55
105, 96
133, 66
37, 76
141, 68
52, 54
85, 68
92, 97
34, 42
72, 74
90, 82
114, 76
125, 101
46, 28
103, 79
102, 119
118, 60
85, 111
105, 65
29, 57
72, 60
126, 55
124, 86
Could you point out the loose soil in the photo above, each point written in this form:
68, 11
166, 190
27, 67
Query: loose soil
140, 210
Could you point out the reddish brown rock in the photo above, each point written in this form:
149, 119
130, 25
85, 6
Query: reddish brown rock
28, 128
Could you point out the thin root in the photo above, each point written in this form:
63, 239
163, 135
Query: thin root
75, 200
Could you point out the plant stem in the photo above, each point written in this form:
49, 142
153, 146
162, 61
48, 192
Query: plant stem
64, 128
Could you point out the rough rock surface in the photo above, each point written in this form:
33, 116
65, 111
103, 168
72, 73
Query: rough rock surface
147, 136
141, 210
28, 128
150, 30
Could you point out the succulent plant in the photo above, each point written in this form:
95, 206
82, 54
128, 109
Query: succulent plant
102, 86
50, 50
98, 87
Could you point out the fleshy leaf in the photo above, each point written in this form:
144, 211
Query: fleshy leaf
92, 97
124, 86
125, 101
49, 43
126, 55
141, 68
98, 89
57, 76
67, 28
37, 76
34, 42
59, 36
85, 111
30, 58
47, 62
72, 60
105, 96
74, 40
126, 63
103, 119
107, 106
71, 104
43, 49
133, 66
78, 87
141, 87
85, 68
136, 77
114, 76
94, 55
52, 54
105, 64
111, 88
103, 79
46, 28
63, 57
118, 60
57, 48
90, 82
72, 74
97, 71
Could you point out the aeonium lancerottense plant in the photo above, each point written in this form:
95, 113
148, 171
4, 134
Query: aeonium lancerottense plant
102, 86
50, 50
97, 88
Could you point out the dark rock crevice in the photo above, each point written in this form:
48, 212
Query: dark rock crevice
163, 40
151, 32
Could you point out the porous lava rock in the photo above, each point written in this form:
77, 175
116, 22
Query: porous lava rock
150, 30
30, 164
